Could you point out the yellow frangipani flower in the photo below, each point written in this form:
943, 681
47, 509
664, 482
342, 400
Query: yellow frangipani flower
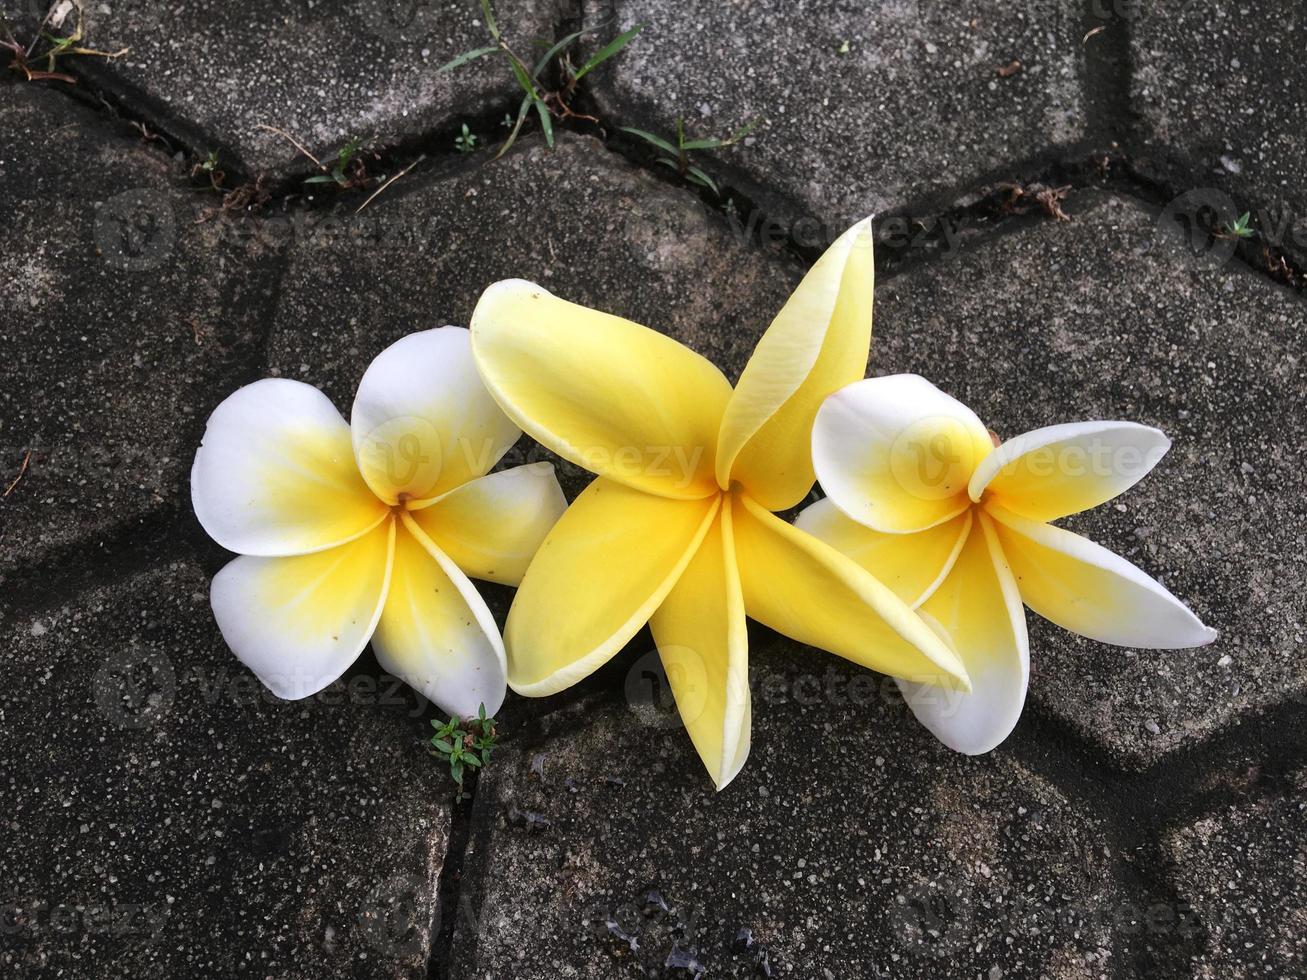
918, 492
678, 529
369, 530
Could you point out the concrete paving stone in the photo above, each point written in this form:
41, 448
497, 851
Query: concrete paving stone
115, 310
1107, 318
166, 817
1222, 91
852, 845
868, 107
1244, 872
579, 220
324, 71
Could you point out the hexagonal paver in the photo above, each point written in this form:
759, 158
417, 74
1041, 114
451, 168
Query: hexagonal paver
1104, 318
165, 816
868, 107
324, 71
578, 220
1223, 92
1244, 872
116, 308
852, 845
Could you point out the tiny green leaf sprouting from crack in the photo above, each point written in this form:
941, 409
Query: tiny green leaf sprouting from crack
467, 142
677, 156
211, 169
549, 103
465, 745
346, 169
1239, 227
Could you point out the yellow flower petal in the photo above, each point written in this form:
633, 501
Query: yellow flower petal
807, 590
703, 641
617, 398
817, 344
436, 632
978, 610
605, 567
1085, 588
299, 622
1065, 469
493, 526
895, 453
423, 423
911, 565
275, 473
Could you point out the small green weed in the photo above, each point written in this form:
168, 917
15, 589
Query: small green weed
463, 747
467, 142
678, 156
209, 167
1239, 227
346, 169
49, 48
548, 102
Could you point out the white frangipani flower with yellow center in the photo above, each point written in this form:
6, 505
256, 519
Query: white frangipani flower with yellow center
678, 529
369, 530
920, 493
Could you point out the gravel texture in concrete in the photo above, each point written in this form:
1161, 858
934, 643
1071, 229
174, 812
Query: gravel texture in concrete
166, 816
863, 107
116, 310
323, 71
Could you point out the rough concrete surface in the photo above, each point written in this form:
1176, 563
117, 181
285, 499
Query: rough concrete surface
852, 845
862, 107
323, 71
116, 308
164, 816
1216, 86
1243, 869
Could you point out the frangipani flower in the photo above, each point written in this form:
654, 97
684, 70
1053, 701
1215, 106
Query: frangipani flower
678, 529
369, 531
920, 493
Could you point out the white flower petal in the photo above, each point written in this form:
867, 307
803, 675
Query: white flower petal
895, 453
436, 632
978, 612
299, 622
423, 423
1085, 588
1065, 469
275, 473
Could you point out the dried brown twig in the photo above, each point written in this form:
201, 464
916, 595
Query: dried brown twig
27, 460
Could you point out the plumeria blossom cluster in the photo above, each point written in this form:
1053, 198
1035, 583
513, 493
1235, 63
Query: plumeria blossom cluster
917, 563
